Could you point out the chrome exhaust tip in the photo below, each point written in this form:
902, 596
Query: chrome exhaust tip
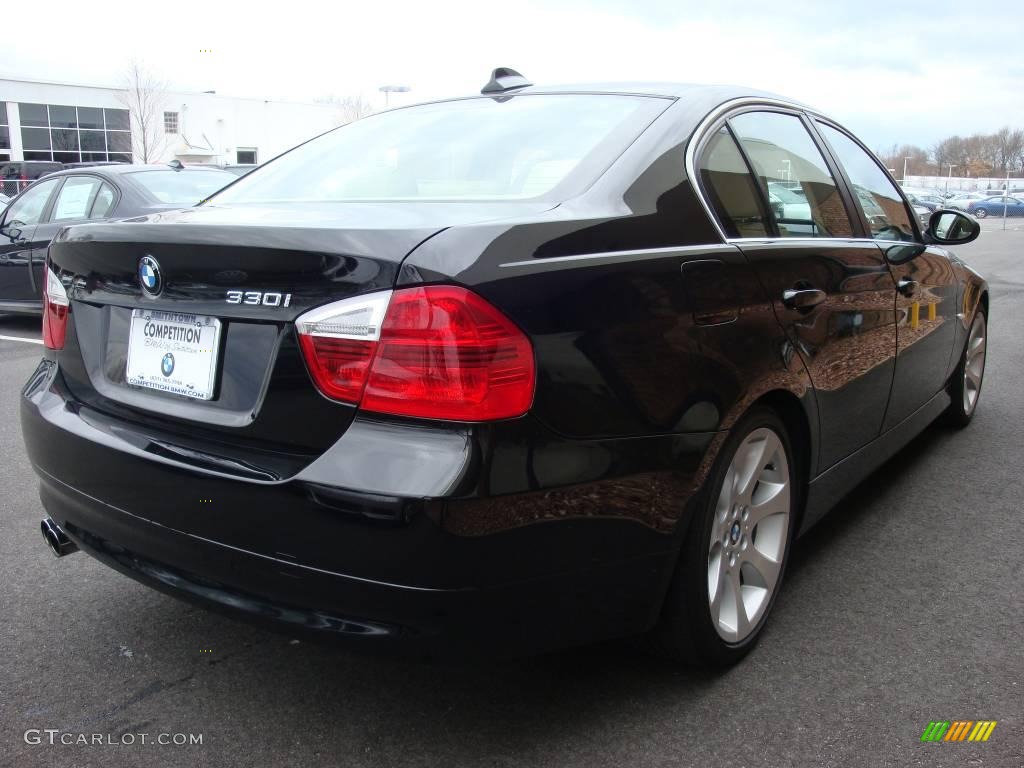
56, 539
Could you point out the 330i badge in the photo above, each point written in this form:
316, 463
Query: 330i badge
503, 373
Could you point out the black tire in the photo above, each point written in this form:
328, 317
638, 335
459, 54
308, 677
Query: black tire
687, 633
980, 213
959, 413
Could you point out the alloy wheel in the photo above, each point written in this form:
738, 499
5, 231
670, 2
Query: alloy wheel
974, 364
749, 535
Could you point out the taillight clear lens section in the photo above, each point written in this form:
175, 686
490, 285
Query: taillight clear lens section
339, 341
440, 352
55, 311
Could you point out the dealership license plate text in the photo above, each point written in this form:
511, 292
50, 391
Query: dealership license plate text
173, 352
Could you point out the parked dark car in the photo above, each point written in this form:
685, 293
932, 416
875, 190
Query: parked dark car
94, 163
996, 206
17, 175
502, 373
30, 221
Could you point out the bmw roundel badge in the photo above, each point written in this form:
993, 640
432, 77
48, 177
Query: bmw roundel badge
167, 364
149, 275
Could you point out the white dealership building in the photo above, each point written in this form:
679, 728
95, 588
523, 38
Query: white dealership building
82, 123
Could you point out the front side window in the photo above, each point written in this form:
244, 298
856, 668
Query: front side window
28, 209
75, 198
877, 196
792, 172
730, 188
469, 149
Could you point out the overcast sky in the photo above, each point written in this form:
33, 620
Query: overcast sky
891, 71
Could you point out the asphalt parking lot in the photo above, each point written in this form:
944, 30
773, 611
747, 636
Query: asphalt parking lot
905, 606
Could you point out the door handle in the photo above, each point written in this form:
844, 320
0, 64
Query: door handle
803, 298
907, 287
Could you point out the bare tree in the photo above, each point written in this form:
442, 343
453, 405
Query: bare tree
348, 109
916, 159
1009, 149
144, 95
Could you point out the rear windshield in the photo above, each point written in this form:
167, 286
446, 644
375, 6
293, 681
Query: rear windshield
472, 149
181, 187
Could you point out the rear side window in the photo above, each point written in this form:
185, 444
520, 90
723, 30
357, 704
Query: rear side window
75, 198
792, 172
730, 187
877, 196
104, 202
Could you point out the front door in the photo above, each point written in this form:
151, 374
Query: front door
17, 239
926, 302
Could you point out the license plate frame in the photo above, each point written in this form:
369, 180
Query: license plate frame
173, 352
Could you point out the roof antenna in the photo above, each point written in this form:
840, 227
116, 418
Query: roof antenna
505, 79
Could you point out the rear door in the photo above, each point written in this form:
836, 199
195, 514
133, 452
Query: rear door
926, 298
18, 239
830, 289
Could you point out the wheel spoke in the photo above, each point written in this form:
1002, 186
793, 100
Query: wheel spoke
766, 567
749, 461
977, 346
716, 584
742, 620
772, 499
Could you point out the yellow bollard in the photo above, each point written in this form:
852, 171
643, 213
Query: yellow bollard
931, 311
915, 315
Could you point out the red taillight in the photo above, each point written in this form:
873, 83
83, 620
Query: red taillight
55, 311
436, 352
338, 366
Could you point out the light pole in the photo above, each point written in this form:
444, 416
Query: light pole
950, 176
387, 90
905, 170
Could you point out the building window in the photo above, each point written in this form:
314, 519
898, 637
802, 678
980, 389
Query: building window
170, 122
67, 134
246, 156
5, 133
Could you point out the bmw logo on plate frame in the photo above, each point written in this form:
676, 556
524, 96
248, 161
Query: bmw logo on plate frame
150, 278
167, 364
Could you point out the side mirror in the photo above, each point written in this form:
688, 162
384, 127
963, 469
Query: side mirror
949, 227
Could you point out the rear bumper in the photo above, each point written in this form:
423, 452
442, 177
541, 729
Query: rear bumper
458, 574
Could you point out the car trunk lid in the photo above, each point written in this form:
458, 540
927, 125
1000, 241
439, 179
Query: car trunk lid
250, 271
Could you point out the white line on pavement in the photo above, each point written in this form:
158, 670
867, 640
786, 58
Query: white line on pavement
20, 338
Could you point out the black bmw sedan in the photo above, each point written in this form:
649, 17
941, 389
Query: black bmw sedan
502, 373
77, 195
